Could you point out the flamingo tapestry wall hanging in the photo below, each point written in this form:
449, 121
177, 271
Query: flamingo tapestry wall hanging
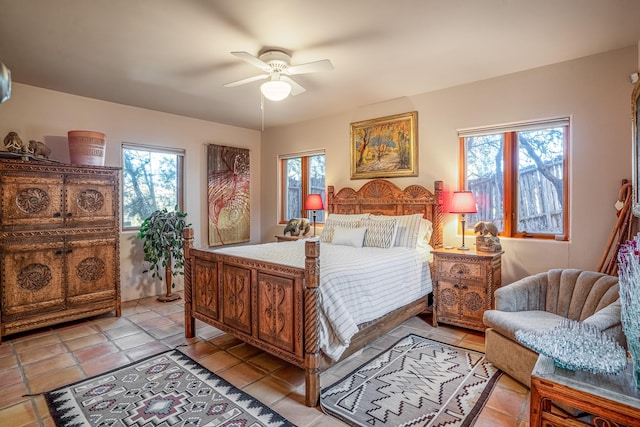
228, 198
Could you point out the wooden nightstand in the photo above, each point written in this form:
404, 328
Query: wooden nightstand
283, 238
464, 286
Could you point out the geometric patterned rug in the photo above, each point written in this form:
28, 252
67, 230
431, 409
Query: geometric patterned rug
417, 382
168, 389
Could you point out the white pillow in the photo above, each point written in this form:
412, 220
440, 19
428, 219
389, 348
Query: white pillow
330, 224
349, 236
380, 233
407, 229
424, 233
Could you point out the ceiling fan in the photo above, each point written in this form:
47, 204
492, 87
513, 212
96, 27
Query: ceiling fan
277, 67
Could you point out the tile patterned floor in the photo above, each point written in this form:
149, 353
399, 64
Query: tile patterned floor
48, 358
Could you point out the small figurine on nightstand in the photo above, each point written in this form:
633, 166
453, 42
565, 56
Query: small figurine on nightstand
297, 227
487, 239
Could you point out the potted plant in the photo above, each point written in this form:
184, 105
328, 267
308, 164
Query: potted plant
163, 241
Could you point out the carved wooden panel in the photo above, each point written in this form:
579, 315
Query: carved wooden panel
205, 288
32, 278
448, 300
31, 201
276, 317
236, 297
89, 201
473, 302
90, 269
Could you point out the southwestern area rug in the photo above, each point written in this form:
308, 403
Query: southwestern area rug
417, 382
168, 389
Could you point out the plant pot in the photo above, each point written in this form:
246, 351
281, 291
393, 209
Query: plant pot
86, 147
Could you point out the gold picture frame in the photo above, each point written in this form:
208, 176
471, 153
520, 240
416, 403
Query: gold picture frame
385, 147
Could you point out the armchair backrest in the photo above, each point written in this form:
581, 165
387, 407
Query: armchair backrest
578, 294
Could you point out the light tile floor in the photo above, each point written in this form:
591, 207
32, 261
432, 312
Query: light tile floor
42, 360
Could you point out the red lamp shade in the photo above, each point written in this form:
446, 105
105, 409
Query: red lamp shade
463, 202
313, 203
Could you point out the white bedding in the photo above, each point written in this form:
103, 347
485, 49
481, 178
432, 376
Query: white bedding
357, 285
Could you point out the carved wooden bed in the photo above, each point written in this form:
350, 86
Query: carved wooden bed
238, 295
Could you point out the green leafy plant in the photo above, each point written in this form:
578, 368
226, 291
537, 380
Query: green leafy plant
162, 233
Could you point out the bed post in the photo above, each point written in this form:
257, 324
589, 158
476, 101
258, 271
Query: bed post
311, 338
331, 193
189, 320
438, 188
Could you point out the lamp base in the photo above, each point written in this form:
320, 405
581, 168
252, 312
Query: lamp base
314, 224
464, 221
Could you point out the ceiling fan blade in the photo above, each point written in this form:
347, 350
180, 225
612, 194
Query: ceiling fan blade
245, 56
247, 80
310, 67
296, 89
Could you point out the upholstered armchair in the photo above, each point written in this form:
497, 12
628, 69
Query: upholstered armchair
540, 302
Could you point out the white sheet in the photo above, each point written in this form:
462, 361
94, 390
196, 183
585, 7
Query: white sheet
357, 285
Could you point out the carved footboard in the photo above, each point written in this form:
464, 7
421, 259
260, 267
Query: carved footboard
270, 306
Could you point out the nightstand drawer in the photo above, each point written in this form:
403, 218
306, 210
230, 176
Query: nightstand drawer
452, 269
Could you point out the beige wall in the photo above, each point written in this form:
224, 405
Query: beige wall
594, 91
46, 116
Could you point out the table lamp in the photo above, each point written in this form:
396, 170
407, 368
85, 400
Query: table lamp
463, 203
314, 203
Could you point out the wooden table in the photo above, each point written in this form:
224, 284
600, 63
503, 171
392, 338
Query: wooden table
612, 400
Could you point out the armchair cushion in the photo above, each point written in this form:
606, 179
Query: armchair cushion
507, 323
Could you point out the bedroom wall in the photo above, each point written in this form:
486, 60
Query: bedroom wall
46, 116
595, 91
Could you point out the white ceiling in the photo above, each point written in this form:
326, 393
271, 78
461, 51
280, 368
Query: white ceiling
174, 55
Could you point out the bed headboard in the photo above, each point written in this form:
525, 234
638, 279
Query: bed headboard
382, 197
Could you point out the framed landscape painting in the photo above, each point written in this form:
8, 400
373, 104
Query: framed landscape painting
228, 182
385, 147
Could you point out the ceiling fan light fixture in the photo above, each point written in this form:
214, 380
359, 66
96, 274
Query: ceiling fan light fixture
275, 90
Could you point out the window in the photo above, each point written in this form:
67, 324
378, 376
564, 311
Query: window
518, 175
151, 180
301, 175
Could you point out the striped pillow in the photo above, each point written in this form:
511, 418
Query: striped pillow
408, 227
380, 233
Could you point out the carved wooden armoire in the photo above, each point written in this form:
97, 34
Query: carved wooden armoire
59, 246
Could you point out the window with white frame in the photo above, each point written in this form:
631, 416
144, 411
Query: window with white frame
152, 179
519, 176
301, 175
